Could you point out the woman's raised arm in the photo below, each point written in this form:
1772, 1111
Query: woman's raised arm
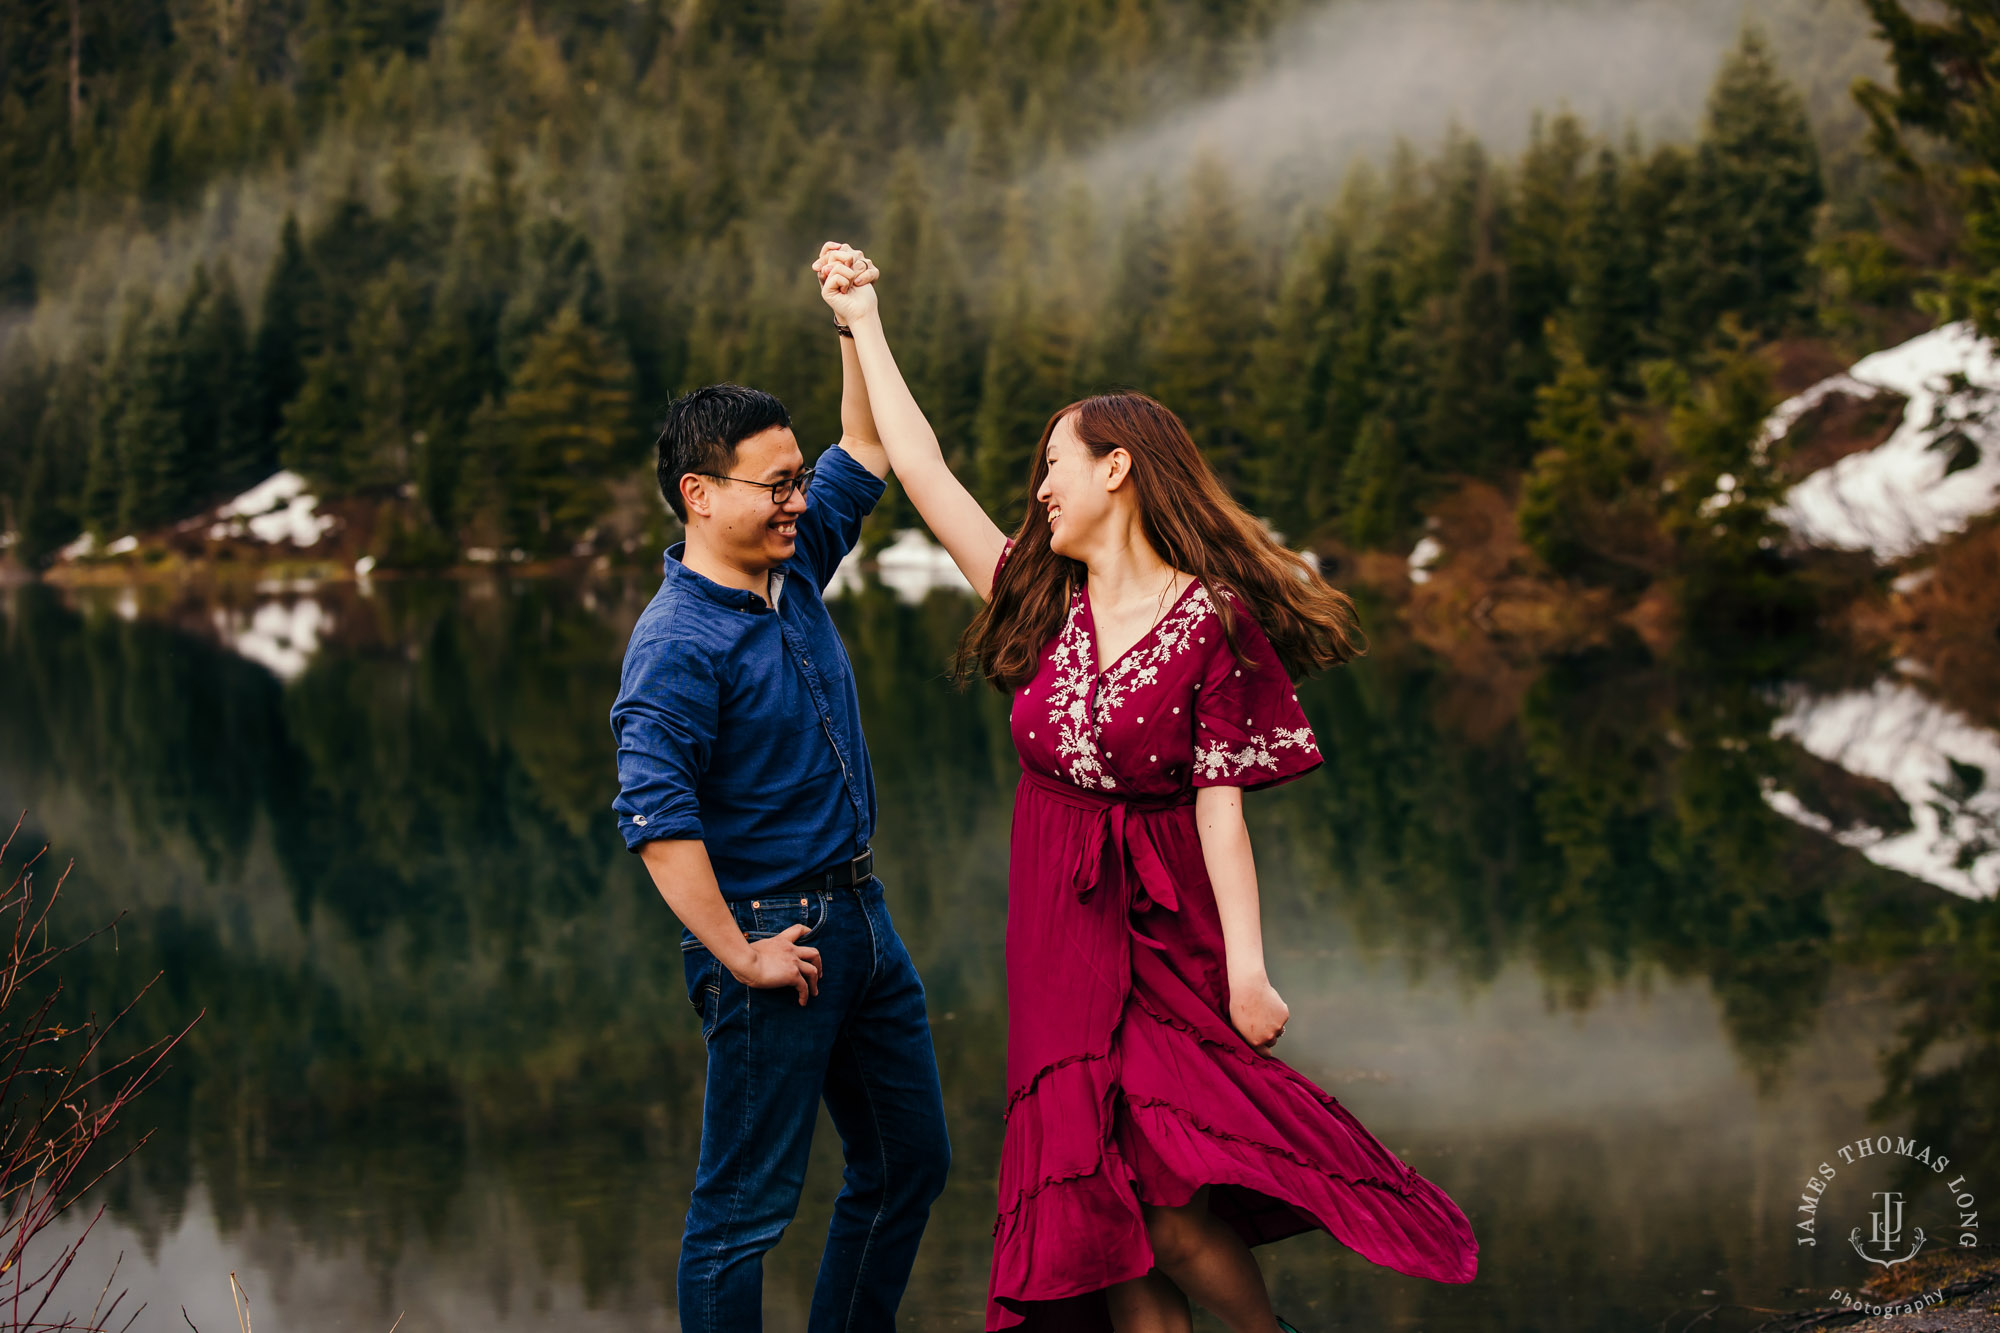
974, 541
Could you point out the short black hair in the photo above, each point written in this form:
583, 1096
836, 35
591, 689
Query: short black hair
703, 428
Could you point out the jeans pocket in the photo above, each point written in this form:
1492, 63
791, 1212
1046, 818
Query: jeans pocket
708, 1004
704, 985
762, 918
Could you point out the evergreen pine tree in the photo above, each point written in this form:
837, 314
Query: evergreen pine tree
566, 422
150, 442
648, 311
1541, 252
1291, 380
379, 452
945, 357
348, 247
1128, 329
322, 422
45, 520
1463, 220
103, 479
1027, 378
198, 373
1737, 243
1375, 488
457, 358
214, 391
52, 491
1615, 297
240, 452
1656, 201
1725, 488
284, 342
560, 273
1947, 65
1584, 505
486, 242
1211, 318
421, 212
1471, 417
24, 387
454, 369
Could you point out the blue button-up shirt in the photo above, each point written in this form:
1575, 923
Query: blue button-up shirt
737, 724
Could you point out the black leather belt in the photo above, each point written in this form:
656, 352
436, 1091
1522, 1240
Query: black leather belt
843, 876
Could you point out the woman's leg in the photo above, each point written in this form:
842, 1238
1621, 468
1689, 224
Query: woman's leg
1149, 1304
1204, 1257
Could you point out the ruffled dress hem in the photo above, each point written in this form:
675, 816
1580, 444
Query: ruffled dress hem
1154, 1150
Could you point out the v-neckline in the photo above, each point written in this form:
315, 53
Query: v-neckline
1193, 582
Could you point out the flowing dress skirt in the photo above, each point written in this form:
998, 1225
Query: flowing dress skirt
1127, 1084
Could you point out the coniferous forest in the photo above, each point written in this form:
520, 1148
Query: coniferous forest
450, 257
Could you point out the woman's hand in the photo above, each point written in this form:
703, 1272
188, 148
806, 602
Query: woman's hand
1258, 1012
846, 281
951, 512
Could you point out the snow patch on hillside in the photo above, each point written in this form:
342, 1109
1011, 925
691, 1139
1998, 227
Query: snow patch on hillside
1940, 468
277, 509
1945, 767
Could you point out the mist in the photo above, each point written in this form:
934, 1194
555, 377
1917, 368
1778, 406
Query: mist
1354, 77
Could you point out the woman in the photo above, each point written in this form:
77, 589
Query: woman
1145, 626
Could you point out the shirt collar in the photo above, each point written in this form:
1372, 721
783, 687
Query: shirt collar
740, 598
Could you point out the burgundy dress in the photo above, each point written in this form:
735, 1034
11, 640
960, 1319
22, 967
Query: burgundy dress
1125, 1081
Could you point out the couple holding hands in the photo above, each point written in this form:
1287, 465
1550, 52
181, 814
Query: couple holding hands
1148, 630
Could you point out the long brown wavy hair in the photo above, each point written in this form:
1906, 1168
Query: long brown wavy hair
1194, 525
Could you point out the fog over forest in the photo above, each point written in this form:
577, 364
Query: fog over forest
1353, 76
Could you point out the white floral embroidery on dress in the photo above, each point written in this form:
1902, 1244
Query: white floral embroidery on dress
1076, 671
1074, 661
1217, 760
1171, 637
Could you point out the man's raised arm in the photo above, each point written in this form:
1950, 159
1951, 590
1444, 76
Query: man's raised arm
858, 435
950, 511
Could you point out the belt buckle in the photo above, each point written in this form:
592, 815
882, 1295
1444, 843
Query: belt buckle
856, 872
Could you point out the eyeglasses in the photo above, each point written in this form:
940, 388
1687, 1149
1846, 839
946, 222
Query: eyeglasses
781, 491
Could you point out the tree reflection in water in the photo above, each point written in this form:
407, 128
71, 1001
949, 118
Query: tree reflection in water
448, 1048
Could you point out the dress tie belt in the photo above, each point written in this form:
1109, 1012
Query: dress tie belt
1117, 850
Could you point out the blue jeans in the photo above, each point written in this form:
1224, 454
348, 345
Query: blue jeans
864, 1044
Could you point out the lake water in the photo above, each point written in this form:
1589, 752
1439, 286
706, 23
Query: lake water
1544, 930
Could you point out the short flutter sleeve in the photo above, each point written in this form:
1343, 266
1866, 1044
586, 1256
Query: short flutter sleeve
1249, 729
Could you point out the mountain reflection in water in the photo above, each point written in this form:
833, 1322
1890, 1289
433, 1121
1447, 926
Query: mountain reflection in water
1563, 953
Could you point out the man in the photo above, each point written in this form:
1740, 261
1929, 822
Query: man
745, 786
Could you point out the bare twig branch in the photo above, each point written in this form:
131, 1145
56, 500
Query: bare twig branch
61, 1096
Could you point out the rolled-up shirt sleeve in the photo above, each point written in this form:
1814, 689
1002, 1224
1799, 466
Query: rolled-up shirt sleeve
842, 494
665, 723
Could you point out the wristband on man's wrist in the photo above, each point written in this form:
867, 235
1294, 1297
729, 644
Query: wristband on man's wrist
842, 329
